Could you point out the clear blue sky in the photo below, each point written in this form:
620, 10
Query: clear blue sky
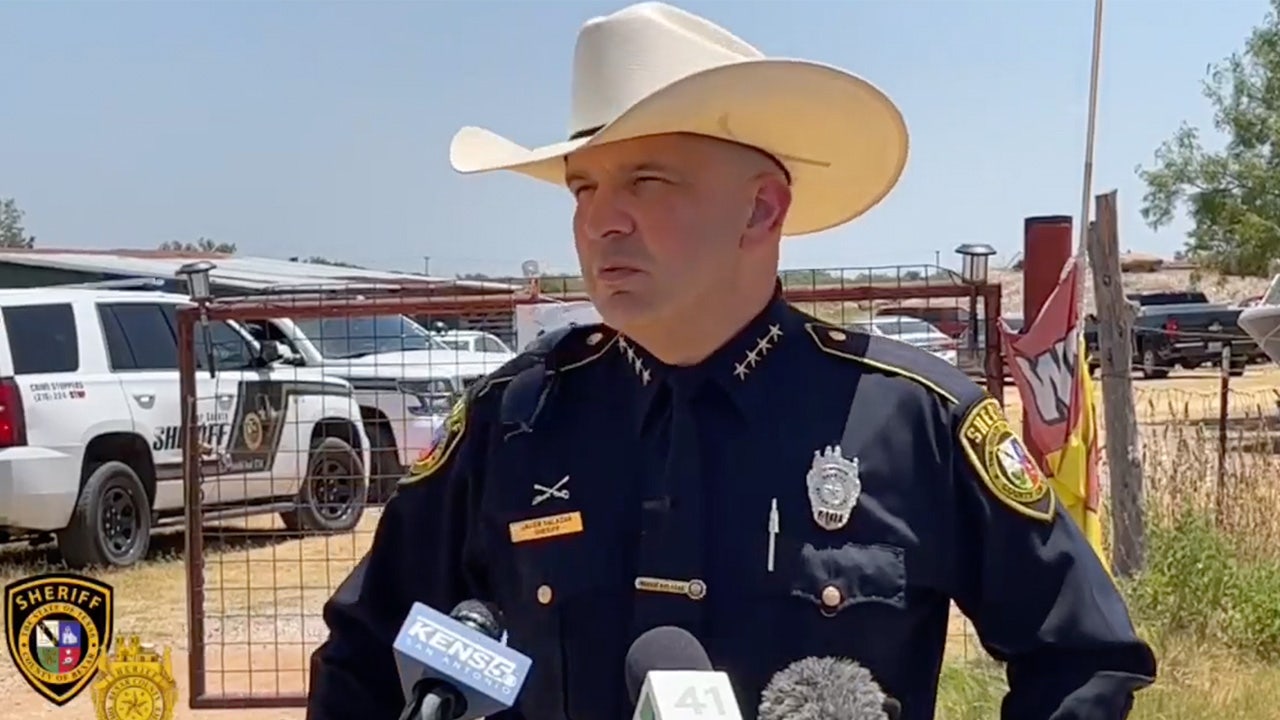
309, 128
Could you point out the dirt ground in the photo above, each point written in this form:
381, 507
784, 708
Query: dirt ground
264, 590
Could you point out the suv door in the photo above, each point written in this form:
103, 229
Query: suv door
143, 353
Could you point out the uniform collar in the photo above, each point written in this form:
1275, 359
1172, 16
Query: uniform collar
739, 366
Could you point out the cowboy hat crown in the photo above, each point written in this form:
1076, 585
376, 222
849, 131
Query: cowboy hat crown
652, 69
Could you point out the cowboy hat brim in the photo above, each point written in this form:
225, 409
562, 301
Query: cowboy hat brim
842, 139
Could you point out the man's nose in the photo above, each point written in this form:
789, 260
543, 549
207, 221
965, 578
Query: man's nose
605, 216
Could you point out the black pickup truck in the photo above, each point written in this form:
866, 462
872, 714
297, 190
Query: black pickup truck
1180, 329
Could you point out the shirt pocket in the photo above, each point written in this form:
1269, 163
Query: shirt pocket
839, 600
565, 603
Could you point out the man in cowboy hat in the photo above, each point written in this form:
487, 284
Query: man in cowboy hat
711, 458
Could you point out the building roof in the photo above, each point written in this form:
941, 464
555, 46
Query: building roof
236, 271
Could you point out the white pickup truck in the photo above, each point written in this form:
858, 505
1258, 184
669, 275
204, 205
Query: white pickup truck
90, 426
405, 378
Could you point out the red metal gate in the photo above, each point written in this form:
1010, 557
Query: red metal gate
256, 581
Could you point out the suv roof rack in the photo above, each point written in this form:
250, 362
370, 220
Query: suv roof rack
139, 283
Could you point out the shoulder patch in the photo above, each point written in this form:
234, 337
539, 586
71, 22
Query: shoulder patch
895, 358
1006, 467
447, 438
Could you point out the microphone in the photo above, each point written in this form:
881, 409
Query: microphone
453, 667
826, 689
669, 677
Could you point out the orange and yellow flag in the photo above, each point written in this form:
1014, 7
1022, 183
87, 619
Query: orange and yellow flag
1048, 365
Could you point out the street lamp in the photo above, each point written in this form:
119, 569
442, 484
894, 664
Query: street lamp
198, 283
201, 291
974, 258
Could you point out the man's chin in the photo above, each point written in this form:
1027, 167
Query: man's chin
622, 309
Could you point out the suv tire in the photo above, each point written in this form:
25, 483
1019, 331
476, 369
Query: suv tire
332, 496
111, 523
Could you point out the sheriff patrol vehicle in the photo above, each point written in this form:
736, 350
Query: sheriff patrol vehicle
406, 379
90, 426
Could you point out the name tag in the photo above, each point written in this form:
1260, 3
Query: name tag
544, 527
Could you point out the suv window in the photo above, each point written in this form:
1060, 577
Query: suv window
42, 338
230, 351
139, 336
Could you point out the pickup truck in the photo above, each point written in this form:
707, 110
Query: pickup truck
1180, 329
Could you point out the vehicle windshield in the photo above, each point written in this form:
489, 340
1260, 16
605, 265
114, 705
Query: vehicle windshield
1273, 293
340, 338
903, 326
457, 344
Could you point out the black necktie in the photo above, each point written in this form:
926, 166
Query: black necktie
670, 583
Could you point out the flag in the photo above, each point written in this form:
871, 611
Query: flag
1047, 363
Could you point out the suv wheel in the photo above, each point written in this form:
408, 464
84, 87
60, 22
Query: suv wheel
111, 523
332, 496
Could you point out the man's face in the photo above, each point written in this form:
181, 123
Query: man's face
664, 221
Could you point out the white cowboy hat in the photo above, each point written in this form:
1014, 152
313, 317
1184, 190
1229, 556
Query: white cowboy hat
652, 68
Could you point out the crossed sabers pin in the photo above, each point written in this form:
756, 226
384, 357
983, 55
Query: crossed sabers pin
557, 491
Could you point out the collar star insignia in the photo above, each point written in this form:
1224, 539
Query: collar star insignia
634, 359
762, 347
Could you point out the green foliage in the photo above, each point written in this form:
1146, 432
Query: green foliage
318, 260
971, 690
1232, 195
201, 245
1199, 586
12, 232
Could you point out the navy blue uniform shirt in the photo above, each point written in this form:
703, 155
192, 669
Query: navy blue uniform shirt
641, 495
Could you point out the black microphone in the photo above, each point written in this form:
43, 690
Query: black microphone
826, 689
669, 675
663, 648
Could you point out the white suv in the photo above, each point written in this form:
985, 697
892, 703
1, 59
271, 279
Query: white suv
90, 426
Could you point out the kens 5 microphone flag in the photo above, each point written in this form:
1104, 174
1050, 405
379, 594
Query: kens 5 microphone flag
1048, 365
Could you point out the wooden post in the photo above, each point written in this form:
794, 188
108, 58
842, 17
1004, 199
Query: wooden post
1115, 347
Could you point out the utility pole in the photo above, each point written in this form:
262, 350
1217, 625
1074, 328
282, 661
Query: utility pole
426, 264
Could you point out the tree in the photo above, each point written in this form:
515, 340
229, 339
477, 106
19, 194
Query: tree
318, 260
1232, 195
12, 232
201, 245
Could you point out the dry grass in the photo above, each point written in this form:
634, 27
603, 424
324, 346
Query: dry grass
264, 589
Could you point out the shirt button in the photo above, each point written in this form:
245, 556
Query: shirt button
831, 596
696, 590
594, 338
544, 594
837, 335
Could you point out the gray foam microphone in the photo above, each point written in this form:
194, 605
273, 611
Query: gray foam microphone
826, 688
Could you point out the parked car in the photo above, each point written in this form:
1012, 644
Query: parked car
476, 341
912, 331
1181, 329
405, 378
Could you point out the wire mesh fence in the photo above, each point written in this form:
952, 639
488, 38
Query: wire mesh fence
1209, 445
301, 410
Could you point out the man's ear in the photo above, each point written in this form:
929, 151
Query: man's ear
769, 208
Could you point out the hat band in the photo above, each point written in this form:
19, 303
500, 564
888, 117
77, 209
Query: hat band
585, 133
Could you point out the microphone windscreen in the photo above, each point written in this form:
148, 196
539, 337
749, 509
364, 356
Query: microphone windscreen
823, 689
663, 648
483, 617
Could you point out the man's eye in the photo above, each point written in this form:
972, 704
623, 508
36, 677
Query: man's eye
649, 178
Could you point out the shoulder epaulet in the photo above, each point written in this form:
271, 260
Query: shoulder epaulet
524, 381
531, 373
897, 358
